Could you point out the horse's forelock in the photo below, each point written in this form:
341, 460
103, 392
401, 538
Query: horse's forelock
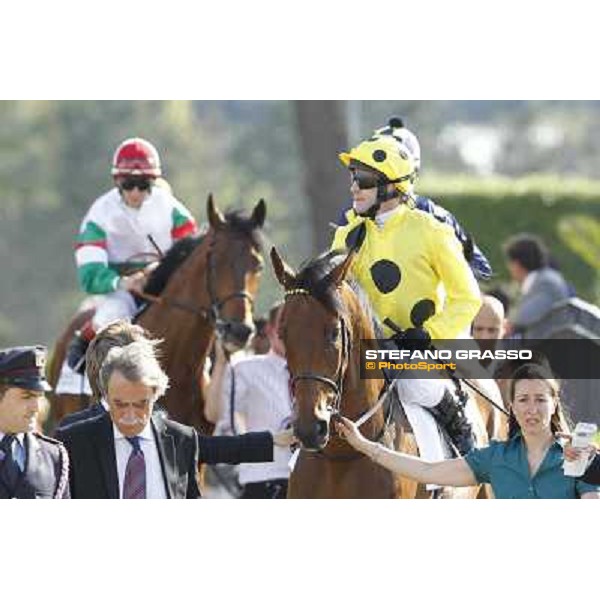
239, 222
315, 276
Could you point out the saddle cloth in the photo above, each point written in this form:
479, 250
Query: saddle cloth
70, 382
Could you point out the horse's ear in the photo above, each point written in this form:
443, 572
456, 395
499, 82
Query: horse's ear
338, 274
284, 273
259, 213
215, 217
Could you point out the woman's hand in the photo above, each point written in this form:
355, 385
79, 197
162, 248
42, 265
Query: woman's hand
284, 438
350, 432
572, 454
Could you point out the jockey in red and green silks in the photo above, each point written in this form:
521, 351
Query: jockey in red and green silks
122, 233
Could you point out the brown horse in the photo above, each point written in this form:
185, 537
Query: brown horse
202, 287
323, 320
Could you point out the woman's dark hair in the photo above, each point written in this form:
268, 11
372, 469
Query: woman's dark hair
528, 250
558, 421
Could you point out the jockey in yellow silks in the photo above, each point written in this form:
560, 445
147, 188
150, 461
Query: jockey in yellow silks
410, 265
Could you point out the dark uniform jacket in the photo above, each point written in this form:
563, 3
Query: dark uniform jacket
247, 448
592, 475
46, 473
91, 446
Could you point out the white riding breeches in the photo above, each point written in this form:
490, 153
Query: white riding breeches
425, 392
115, 306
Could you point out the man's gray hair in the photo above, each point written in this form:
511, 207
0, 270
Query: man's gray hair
137, 362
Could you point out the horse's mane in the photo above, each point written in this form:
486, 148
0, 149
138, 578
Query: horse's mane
235, 220
315, 277
170, 262
366, 307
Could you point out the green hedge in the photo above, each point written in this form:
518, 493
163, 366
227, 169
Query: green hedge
493, 209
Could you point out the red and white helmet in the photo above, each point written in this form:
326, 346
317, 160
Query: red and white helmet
136, 156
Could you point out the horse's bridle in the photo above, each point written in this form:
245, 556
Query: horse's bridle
216, 305
213, 312
337, 383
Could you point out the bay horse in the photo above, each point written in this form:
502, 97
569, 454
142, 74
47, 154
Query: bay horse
324, 319
204, 286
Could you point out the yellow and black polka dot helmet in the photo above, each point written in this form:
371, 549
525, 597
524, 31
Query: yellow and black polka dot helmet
386, 155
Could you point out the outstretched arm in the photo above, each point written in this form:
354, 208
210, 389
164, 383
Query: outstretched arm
454, 472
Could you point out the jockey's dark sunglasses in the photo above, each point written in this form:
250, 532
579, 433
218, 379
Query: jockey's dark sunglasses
365, 180
141, 183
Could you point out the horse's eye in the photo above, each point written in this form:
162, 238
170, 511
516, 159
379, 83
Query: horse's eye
332, 335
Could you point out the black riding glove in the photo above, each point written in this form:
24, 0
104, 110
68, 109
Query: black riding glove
413, 338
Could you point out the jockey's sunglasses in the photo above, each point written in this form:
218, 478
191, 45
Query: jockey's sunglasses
365, 180
141, 183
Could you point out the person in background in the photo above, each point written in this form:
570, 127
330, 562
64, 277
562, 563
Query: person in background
541, 286
123, 234
488, 325
528, 465
260, 341
255, 396
31, 464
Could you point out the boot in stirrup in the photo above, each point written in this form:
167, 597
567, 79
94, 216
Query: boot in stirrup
450, 414
78, 347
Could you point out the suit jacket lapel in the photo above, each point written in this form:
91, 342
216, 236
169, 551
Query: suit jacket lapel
104, 444
166, 453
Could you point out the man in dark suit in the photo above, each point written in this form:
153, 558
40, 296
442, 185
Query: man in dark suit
129, 452
250, 447
31, 465
94, 471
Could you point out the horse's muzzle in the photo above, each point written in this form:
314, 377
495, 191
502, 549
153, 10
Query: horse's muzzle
235, 334
313, 436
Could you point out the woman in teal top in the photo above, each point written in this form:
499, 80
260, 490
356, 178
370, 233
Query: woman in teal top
528, 465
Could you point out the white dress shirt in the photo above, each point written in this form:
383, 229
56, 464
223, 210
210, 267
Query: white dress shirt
262, 399
19, 450
155, 482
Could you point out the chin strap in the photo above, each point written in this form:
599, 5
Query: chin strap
383, 195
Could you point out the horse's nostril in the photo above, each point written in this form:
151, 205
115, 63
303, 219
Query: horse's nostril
322, 428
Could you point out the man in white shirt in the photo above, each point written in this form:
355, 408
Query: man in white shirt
261, 402
130, 452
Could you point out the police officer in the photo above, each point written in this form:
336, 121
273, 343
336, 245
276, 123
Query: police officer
31, 465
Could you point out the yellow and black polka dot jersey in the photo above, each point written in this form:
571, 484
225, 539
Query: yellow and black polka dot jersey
413, 265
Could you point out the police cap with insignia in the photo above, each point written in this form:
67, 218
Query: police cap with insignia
23, 367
